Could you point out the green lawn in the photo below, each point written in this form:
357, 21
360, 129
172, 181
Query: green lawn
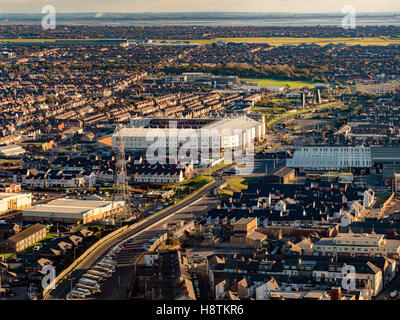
235, 185
199, 181
300, 111
279, 41
47, 238
207, 171
6, 256
280, 83
382, 197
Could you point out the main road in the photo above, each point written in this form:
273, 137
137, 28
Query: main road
64, 286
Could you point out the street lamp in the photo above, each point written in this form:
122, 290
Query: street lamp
74, 253
70, 279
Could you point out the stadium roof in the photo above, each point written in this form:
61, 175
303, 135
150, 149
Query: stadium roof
385, 154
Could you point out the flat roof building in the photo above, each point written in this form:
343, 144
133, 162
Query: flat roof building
358, 245
72, 211
14, 201
244, 231
330, 157
11, 150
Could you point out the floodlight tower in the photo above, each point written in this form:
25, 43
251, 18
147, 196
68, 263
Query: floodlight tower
120, 187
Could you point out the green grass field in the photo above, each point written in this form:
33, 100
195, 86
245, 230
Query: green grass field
301, 111
199, 181
280, 83
273, 41
279, 41
47, 238
235, 185
6, 256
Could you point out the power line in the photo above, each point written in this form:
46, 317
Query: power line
120, 188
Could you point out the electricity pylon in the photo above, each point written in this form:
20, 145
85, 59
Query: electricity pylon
120, 188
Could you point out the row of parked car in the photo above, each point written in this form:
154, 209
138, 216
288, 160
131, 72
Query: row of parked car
90, 283
196, 284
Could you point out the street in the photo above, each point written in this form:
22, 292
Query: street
64, 287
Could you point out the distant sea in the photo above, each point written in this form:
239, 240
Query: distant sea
288, 22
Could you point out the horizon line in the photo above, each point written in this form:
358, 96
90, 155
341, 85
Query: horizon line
208, 12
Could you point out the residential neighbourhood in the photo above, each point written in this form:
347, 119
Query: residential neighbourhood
205, 162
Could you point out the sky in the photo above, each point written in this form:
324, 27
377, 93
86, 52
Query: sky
261, 6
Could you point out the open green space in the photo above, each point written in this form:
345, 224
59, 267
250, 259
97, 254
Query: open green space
273, 41
6, 256
294, 84
279, 41
300, 111
235, 185
199, 181
47, 238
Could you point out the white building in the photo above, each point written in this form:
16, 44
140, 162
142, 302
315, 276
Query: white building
11, 150
72, 211
327, 157
358, 245
14, 201
222, 134
263, 291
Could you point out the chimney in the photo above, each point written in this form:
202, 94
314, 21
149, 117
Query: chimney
336, 293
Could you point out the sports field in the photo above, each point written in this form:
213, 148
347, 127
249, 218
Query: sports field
280, 83
279, 41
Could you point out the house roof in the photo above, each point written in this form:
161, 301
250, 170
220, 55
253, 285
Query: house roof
27, 232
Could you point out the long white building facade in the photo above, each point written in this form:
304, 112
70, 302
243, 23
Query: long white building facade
222, 134
14, 201
330, 157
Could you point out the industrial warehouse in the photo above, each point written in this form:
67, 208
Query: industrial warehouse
14, 201
336, 157
223, 133
73, 211
384, 160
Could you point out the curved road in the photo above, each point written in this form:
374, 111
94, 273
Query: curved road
64, 287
